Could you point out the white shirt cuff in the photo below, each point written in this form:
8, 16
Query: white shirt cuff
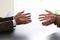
14, 22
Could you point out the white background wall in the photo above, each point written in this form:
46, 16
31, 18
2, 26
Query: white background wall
6, 6
35, 30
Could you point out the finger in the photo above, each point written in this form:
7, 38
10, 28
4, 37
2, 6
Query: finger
27, 14
28, 17
49, 12
21, 12
41, 17
29, 20
44, 23
47, 22
42, 14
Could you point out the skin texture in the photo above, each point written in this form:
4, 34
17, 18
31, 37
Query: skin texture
47, 18
22, 18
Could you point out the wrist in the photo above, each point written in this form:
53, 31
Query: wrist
17, 20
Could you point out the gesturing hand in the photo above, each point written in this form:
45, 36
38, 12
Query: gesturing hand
47, 18
22, 18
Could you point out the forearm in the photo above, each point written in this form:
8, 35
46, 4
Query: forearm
6, 26
6, 19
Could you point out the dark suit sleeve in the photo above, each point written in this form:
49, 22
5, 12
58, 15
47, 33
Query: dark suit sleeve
57, 22
6, 19
6, 24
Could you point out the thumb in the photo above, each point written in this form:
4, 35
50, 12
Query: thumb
49, 12
21, 12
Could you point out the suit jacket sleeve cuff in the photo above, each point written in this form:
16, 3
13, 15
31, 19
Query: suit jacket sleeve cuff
57, 20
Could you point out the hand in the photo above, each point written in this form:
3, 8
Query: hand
47, 18
22, 18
